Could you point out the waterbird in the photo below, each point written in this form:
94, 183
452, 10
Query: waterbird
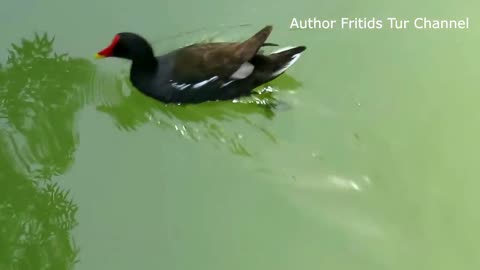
202, 71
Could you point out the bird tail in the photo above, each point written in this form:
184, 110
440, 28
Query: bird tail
285, 58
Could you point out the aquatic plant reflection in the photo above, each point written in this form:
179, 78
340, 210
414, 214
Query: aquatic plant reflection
222, 123
40, 93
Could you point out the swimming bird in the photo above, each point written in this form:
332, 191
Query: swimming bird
202, 71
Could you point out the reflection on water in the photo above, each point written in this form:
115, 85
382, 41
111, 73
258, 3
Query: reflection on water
210, 122
40, 93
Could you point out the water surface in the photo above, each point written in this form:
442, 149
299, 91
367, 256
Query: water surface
364, 156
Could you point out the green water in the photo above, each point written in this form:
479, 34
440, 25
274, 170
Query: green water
365, 155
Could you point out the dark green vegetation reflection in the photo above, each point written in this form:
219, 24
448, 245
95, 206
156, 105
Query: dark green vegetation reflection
41, 96
197, 122
37, 142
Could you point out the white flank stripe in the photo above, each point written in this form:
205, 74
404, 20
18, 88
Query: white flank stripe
180, 86
227, 83
202, 83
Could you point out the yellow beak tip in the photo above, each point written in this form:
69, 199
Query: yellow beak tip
99, 56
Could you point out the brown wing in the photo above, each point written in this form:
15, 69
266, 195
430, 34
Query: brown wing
200, 62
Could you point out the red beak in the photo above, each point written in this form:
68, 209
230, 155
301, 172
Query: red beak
108, 51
